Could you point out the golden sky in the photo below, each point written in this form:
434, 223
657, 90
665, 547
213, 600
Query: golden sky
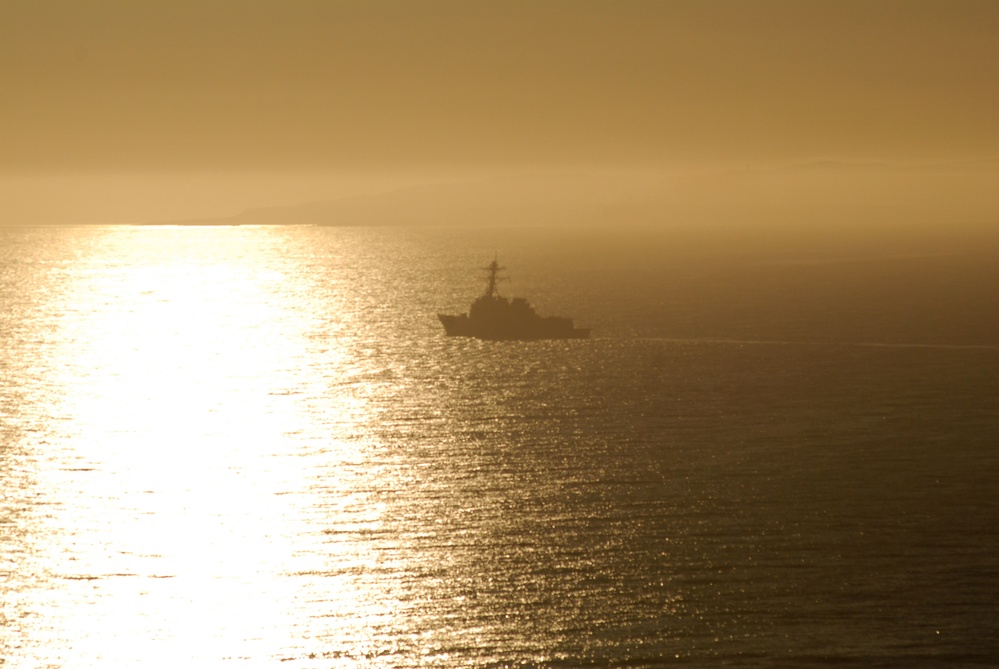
175, 85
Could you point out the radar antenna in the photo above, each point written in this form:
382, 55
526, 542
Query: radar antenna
494, 278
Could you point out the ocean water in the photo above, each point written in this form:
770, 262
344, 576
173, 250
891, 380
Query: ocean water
253, 446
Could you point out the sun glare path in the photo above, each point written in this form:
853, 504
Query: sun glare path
181, 453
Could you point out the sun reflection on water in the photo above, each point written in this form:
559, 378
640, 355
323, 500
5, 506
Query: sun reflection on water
253, 445
175, 462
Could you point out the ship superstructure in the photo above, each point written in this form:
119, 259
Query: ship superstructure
495, 317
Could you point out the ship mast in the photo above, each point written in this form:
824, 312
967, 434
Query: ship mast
494, 278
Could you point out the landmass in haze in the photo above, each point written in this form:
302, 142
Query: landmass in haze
831, 193
132, 112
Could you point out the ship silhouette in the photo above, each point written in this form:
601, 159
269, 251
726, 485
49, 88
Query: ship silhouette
494, 317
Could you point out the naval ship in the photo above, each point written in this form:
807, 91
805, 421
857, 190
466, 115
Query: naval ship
494, 317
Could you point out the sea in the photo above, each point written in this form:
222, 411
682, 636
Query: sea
254, 446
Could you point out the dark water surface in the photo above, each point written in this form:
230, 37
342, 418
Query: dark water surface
254, 446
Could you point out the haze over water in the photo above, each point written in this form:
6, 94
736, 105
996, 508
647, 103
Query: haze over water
241, 438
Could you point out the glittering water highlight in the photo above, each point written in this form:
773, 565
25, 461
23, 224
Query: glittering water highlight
245, 446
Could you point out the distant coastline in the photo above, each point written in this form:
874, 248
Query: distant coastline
571, 199
823, 192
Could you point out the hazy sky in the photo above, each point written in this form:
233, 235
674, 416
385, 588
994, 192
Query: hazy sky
132, 110
298, 84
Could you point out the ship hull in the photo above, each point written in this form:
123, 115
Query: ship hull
541, 328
